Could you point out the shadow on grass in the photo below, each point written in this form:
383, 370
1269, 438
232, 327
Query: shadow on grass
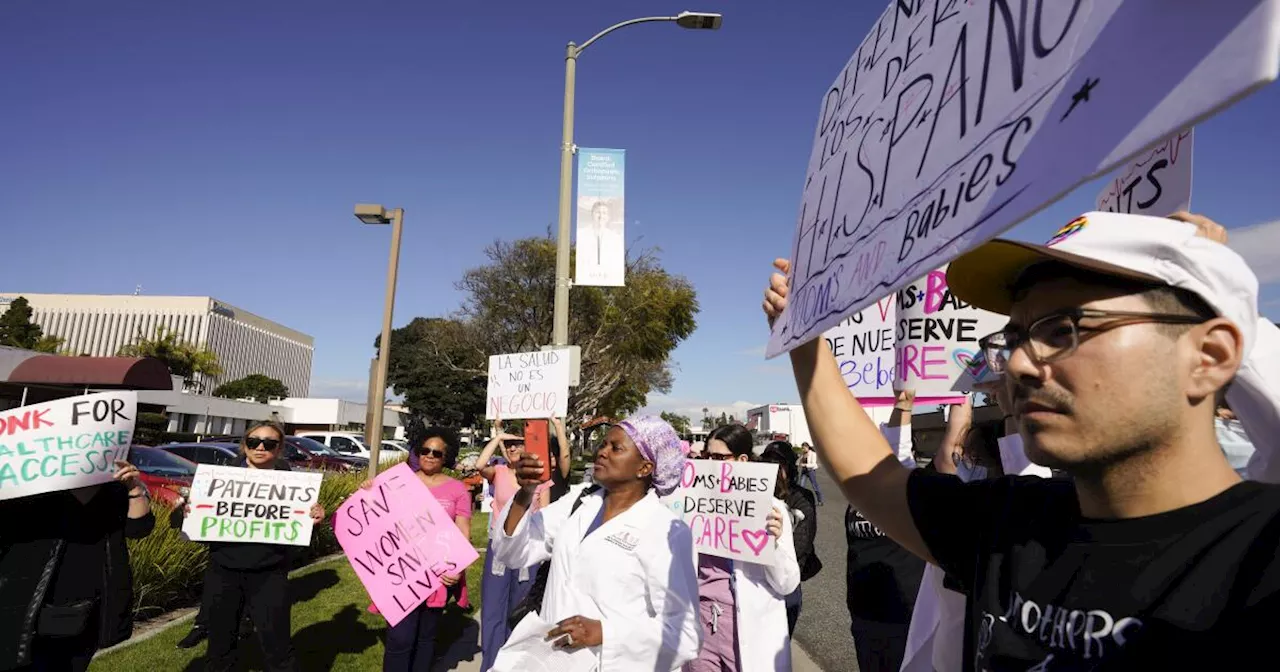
458, 638
304, 587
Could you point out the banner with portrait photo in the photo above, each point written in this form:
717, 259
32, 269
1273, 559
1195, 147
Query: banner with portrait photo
601, 249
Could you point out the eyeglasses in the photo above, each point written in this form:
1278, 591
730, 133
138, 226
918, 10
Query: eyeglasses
1057, 335
431, 452
720, 456
254, 443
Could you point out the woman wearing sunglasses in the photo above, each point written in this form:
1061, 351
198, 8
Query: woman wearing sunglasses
411, 643
742, 605
250, 577
502, 587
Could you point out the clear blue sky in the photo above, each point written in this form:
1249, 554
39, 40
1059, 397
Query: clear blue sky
218, 147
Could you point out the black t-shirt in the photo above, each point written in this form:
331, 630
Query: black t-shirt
1194, 588
882, 578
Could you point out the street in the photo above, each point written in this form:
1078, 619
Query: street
823, 629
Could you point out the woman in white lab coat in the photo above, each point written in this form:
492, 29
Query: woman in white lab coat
622, 581
742, 605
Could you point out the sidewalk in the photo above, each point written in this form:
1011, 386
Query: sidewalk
463, 658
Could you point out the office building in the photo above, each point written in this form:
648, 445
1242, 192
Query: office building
98, 325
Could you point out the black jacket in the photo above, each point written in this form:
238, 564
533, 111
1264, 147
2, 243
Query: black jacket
245, 556
31, 551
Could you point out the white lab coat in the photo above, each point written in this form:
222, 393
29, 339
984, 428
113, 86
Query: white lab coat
935, 639
764, 641
634, 574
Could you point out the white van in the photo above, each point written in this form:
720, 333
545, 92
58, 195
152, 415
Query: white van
350, 443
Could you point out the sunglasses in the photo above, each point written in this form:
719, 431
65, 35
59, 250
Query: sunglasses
253, 443
720, 456
431, 452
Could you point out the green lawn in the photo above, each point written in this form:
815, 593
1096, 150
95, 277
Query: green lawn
332, 627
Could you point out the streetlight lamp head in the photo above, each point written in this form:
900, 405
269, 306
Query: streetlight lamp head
370, 213
699, 20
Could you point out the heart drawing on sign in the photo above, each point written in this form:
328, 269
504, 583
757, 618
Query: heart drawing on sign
756, 540
975, 365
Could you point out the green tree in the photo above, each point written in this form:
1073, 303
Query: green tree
257, 386
437, 366
626, 333
183, 359
49, 344
16, 328
678, 422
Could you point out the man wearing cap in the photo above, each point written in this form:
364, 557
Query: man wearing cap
1124, 333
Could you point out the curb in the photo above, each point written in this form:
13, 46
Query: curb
191, 613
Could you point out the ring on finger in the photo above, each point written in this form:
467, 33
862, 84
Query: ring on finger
568, 639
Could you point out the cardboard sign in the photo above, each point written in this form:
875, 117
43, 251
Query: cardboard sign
400, 541
937, 340
257, 506
863, 345
64, 444
726, 505
1156, 183
953, 121
528, 385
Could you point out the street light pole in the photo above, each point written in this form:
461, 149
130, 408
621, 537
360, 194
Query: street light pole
376, 214
690, 20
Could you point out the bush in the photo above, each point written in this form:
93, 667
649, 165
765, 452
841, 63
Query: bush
168, 571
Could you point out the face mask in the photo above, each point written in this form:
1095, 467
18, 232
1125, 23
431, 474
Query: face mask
1235, 443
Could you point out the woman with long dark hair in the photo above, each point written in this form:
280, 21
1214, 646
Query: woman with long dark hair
250, 577
66, 589
804, 519
743, 605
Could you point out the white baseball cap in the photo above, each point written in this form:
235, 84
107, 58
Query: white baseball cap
1152, 250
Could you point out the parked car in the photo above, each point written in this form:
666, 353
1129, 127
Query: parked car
348, 443
307, 455
166, 476
221, 454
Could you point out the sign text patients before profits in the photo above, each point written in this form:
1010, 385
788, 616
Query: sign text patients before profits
64, 444
231, 504
954, 121
528, 385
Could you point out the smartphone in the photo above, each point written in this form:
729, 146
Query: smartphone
536, 442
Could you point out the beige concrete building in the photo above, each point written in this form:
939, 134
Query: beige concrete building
98, 325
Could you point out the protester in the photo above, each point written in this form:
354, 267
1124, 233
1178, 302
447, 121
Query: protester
804, 521
503, 586
1124, 331
561, 461
881, 577
1233, 439
411, 643
250, 577
743, 604
622, 582
66, 589
809, 469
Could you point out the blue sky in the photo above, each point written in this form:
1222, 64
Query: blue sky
218, 147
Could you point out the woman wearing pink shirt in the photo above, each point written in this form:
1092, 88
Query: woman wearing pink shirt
502, 588
411, 643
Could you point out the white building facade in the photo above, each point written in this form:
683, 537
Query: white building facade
245, 343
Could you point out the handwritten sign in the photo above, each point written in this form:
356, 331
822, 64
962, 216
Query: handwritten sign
937, 338
260, 506
528, 385
1156, 183
726, 505
64, 444
400, 541
954, 120
863, 345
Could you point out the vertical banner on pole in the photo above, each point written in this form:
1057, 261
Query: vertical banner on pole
601, 251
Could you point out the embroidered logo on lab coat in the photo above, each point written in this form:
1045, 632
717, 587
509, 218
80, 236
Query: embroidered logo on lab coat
624, 540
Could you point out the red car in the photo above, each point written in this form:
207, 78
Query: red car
166, 476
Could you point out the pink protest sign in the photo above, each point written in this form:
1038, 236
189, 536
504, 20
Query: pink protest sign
400, 541
937, 340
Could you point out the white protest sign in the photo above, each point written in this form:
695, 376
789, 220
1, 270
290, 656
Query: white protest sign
528, 385
1156, 183
64, 444
726, 504
937, 339
265, 506
863, 345
954, 120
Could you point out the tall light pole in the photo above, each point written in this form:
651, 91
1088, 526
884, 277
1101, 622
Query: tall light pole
690, 20
376, 214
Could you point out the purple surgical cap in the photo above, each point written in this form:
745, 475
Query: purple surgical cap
659, 444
